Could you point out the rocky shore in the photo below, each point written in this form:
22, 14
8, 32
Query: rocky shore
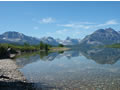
11, 78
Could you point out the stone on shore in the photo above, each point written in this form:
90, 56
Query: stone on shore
9, 71
11, 78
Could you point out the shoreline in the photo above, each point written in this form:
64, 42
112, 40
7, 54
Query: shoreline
59, 49
11, 78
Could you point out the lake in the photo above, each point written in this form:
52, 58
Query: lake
76, 69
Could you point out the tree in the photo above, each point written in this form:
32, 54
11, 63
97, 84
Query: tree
26, 44
46, 47
61, 45
41, 45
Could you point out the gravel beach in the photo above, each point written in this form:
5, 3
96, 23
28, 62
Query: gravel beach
11, 78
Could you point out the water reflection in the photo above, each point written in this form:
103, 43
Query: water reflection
102, 55
77, 69
99, 55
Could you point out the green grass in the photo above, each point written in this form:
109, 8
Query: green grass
117, 45
19, 47
26, 47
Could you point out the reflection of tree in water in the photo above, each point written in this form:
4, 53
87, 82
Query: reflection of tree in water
51, 56
43, 54
28, 58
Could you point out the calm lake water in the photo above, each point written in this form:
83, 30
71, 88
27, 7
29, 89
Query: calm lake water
77, 69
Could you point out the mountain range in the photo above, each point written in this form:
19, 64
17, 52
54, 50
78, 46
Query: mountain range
19, 38
99, 37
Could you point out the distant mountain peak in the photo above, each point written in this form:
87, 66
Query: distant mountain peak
68, 38
102, 36
110, 30
16, 37
11, 32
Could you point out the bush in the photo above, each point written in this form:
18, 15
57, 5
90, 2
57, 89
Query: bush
3, 52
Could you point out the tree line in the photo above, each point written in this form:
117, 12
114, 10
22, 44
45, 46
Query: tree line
6, 48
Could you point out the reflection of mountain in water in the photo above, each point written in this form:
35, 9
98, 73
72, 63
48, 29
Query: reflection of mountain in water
99, 55
68, 54
51, 56
102, 55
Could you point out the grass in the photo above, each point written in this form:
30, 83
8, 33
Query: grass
58, 48
117, 45
19, 47
8, 49
28, 48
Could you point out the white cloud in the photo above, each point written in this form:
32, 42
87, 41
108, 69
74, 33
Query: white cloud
111, 22
47, 20
67, 25
88, 25
83, 23
62, 31
75, 26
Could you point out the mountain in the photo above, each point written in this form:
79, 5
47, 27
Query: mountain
16, 37
102, 37
69, 41
99, 37
19, 38
49, 40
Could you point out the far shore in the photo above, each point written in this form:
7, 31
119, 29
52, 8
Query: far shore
59, 49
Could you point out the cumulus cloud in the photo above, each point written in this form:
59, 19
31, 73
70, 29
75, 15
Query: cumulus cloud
47, 20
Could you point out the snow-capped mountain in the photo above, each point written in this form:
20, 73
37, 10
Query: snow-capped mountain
49, 40
16, 37
69, 41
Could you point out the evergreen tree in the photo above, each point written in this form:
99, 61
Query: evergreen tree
41, 45
46, 47
61, 45
26, 44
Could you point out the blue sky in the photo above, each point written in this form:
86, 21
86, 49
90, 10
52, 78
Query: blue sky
59, 19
